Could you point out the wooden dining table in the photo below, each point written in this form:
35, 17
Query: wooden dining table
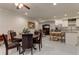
19, 37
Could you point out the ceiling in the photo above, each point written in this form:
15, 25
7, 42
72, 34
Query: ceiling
45, 10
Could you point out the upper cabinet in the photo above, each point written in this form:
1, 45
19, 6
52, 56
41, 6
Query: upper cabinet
77, 23
72, 22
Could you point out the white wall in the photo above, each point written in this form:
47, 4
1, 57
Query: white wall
77, 22
65, 23
11, 21
48, 21
55, 22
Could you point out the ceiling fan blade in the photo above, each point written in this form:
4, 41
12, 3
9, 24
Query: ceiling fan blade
26, 6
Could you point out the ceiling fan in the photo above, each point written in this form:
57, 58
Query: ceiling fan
20, 5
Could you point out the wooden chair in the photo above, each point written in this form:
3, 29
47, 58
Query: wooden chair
27, 42
36, 32
56, 35
53, 36
11, 45
63, 37
38, 40
1, 39
12, 34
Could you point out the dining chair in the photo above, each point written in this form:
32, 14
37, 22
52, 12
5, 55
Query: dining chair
63, 37
27, 42
36, 32
12, 34
38, 40
11, 45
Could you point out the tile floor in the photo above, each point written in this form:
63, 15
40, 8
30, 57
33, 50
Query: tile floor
49, 48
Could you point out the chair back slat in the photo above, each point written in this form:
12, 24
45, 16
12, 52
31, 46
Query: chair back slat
12, 34
27, 41
40, 36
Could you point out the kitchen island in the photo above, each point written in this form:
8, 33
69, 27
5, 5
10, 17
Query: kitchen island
72, 38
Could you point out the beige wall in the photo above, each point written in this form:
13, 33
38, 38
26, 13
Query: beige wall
12, 21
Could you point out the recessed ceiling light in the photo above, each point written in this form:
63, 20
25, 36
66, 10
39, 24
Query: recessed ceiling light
54, 3
21, 5
65, 14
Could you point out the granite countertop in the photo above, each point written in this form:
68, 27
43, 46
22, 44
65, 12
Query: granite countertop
71, 32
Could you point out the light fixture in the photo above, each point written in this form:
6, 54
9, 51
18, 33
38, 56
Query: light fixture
54, 3
20, 5
16, 4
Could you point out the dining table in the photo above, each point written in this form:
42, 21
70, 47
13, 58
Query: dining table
19, 37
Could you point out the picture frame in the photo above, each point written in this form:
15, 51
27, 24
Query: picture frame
31, 25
